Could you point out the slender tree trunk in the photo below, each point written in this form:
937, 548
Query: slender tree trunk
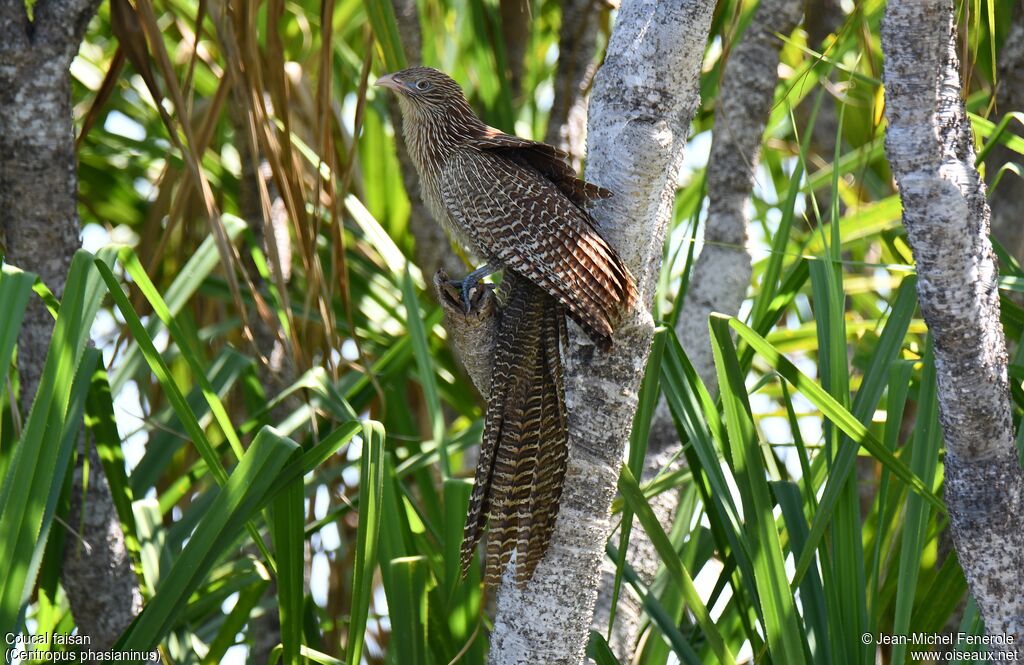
39, 220
433, 248
97, 573
644, 98
515, 33
721, 275
930, 148
577, 41
38, 181
1007, 198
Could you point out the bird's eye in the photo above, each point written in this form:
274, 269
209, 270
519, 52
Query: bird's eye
422, 85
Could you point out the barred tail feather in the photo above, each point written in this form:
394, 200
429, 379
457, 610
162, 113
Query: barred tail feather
549, 471
524, 451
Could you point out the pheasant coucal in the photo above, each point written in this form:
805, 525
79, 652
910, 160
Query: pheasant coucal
519, 205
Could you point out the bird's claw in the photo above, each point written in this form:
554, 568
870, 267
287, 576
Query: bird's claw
470, 282
465, 288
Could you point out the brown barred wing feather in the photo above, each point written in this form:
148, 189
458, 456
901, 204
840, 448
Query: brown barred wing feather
523, 222
548, 160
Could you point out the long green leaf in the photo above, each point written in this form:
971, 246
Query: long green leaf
68, 441
648, 401
634, 498
599, 651
200, 264
778, 606
409, 619
165, 439
240, 498
812, 597
924, 461
34, 478
102, 425
371, 480
131, 264
238, 617
660, 617
287, 533
834, 412
15, 289
174, 395
425, 366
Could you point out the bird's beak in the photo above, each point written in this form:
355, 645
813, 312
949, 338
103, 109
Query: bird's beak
389, 81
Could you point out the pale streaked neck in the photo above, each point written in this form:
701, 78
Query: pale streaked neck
433, 135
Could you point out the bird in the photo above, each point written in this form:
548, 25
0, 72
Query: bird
519, 205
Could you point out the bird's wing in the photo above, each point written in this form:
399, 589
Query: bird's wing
548, 160
522, 221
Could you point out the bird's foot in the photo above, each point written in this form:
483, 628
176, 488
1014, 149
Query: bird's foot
470, 282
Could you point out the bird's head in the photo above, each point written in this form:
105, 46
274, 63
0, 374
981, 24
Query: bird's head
424, 90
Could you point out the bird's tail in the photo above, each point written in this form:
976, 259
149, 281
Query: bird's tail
524, 452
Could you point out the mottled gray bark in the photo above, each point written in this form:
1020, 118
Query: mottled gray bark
567, 129
97, 577
1007, 198
38, 182
39, 221
644, 99
930, 148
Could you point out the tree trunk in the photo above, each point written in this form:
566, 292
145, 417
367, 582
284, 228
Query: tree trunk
433, 248
644, 98
38, 181
722, 272
577, 40
721, 275
97, 573
515, 33
930, 148
38, 200
1007, 198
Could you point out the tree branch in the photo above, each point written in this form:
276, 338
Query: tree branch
60, 25
930, 148
644, 98
567, 122
472, 334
